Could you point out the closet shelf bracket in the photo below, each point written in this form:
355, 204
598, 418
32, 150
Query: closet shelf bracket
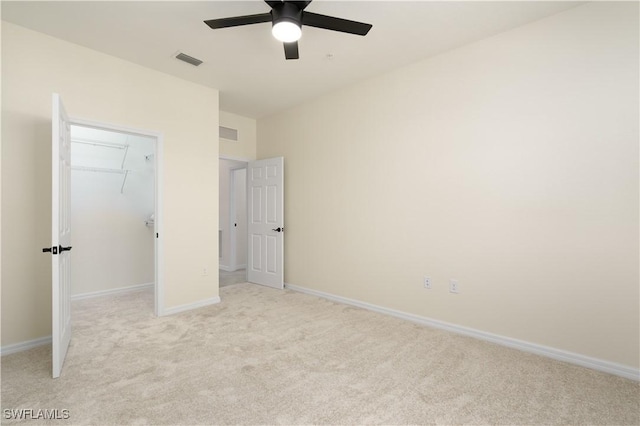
126, 173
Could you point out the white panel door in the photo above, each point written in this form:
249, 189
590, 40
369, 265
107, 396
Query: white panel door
265, 207
60, 234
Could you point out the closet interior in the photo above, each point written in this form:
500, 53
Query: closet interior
112, 211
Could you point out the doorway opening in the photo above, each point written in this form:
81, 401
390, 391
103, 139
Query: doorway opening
232, 230
114, 211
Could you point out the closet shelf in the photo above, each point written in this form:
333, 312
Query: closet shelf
121, 170
100, 170
94, 142
124, 172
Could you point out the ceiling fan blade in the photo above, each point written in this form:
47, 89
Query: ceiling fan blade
291, 50
237, 21
335, 24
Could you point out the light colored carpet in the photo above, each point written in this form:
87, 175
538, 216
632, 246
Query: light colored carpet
265, 356
235, 277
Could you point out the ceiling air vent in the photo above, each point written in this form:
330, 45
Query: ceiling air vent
188, 59
228, 133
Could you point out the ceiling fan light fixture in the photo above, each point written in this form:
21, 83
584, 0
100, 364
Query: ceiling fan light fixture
286, 31
287, 18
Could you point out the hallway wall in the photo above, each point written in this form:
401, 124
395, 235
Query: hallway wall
225, 168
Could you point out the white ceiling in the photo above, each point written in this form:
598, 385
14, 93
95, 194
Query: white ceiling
247, 64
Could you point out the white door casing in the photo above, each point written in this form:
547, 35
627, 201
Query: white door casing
159, 308
60, 233
265, 199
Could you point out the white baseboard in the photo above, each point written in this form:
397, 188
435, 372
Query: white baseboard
112, 291
224, 268
23, 346
557, 354
190, 306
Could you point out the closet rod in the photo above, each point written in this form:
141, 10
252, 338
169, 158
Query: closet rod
99, 143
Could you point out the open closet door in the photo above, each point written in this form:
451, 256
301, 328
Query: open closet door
60, 234
265, 199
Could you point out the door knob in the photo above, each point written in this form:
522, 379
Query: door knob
278, 229
54, 249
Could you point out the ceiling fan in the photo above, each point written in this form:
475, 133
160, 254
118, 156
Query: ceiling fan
287, 18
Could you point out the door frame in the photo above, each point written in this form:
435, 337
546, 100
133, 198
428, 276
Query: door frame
232, 233
159, 307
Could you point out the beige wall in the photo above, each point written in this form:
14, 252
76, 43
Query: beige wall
100, 87
510, 164
245, 147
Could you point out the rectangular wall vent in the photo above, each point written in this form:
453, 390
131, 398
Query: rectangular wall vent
228, 133
188, 59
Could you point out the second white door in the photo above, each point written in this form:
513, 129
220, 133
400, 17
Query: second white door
265, 202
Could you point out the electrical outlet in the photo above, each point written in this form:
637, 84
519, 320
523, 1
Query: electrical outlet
427, 283
205, 272
454, 287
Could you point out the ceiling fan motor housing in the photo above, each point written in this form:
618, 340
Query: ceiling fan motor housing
287, 12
